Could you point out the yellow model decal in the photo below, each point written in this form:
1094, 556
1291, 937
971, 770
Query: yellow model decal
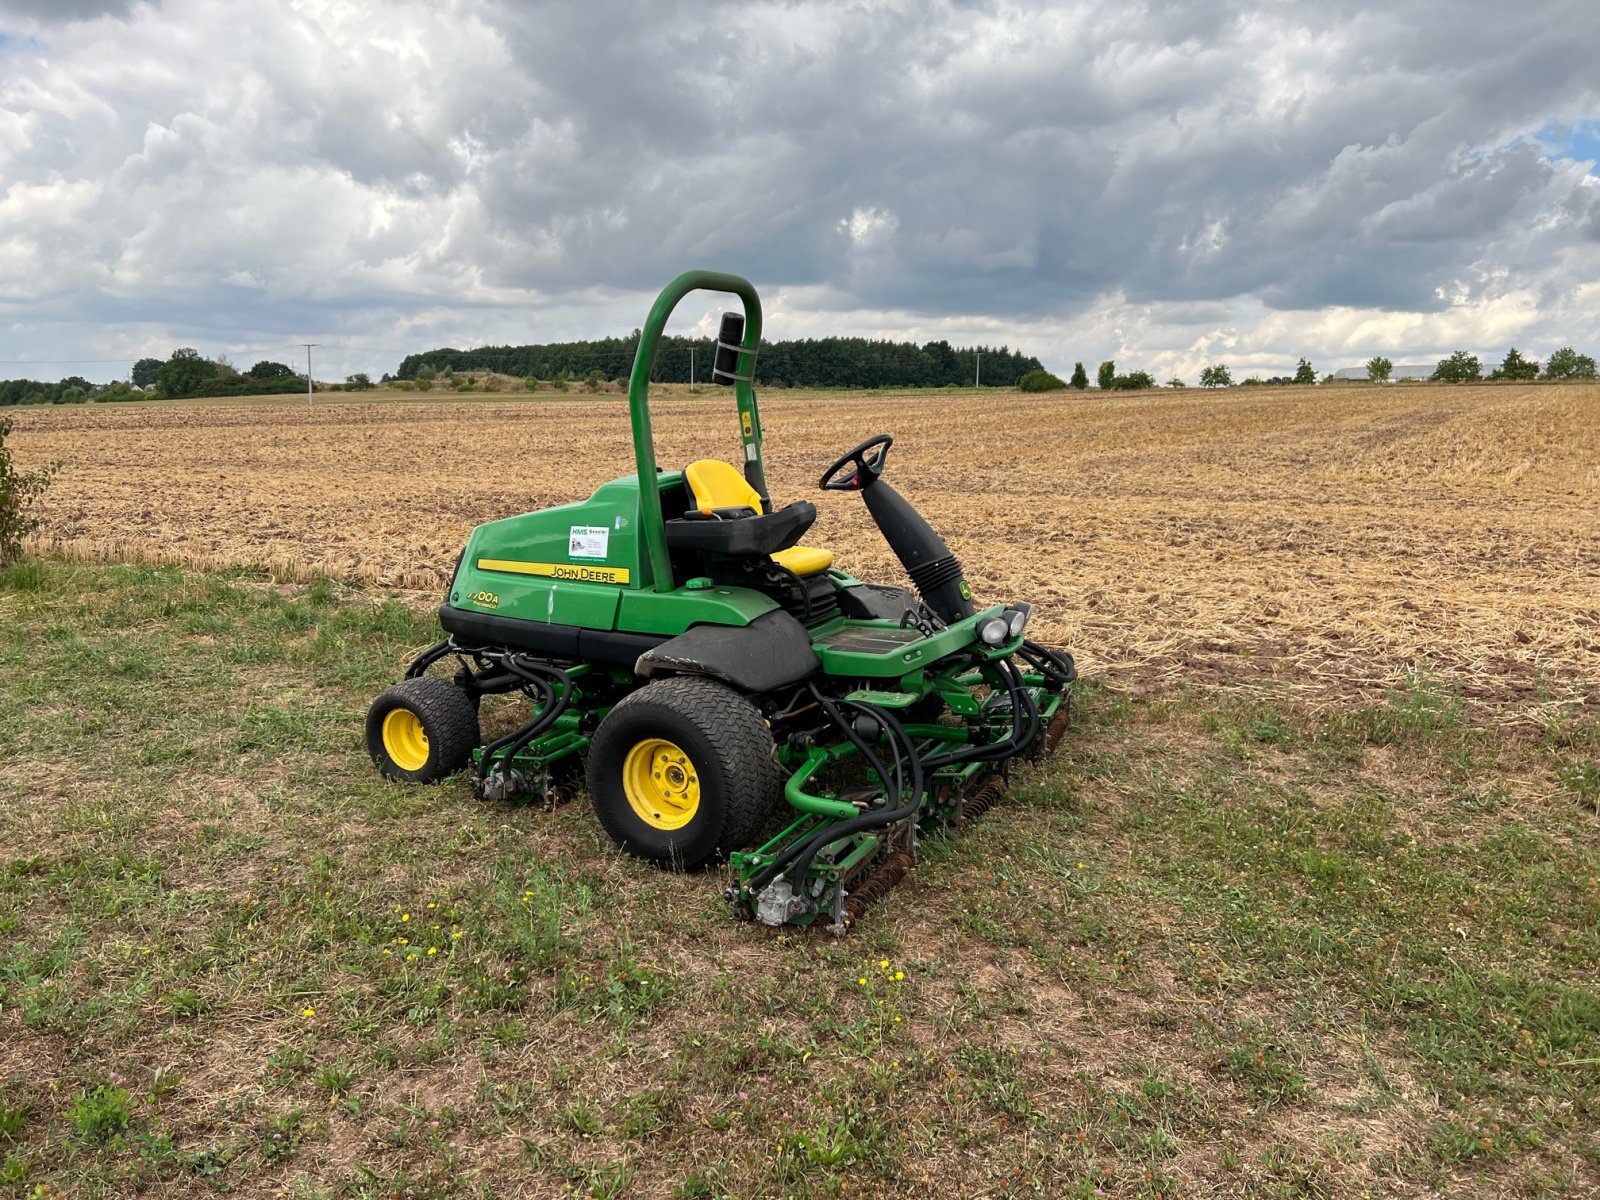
485, 599
583, 574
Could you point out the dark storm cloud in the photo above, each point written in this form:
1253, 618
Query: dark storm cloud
1028, 160
923, 165
61, 10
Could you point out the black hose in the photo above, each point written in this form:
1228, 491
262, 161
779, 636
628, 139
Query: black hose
1022, 705
1055, 666
551, 704
419, 665
795, 860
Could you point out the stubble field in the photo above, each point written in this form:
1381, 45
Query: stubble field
1334, 539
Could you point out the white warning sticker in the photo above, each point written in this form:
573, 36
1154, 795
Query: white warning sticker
588, 541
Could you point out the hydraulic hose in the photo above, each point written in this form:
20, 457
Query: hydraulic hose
552, 704
1022, 707
796, 859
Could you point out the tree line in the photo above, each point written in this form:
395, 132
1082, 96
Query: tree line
1461, 367
831, 362
185, 373
813, 362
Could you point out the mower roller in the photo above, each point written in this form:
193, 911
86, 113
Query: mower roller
684, 655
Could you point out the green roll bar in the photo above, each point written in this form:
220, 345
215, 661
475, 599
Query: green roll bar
644, 450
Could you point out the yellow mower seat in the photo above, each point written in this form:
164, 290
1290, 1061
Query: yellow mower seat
716, 484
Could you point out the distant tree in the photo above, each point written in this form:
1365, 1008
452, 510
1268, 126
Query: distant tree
1107, 375
1460, 367
1215, 376
1304, 374
1040, 381
1133, 381
1567, 363
266, 369
592, 381
146, 372
359, 382
531, 383
1516, 367
225, 367
1080, 377
186, 373
1379, 369
1175, 382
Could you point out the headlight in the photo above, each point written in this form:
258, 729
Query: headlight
1017, 618
994, 631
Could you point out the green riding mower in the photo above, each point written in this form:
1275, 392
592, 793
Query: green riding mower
689, 659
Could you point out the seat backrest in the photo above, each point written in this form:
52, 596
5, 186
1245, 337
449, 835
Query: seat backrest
717, 484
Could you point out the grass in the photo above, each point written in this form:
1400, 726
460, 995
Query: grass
1221, 944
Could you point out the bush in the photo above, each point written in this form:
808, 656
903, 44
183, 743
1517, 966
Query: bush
1041, 381
17, 493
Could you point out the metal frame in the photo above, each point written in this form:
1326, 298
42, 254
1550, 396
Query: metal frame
653, 529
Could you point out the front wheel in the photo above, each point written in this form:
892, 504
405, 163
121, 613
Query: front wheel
421, 730
683, 771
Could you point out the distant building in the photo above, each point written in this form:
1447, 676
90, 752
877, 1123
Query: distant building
1398, 372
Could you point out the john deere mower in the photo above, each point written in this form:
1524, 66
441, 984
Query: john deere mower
682, 651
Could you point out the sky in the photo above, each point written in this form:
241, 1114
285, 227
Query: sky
1165, 184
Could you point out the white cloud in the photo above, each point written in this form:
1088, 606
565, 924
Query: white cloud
1162, 185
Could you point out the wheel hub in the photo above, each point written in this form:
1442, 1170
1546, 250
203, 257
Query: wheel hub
661, 784
405, 740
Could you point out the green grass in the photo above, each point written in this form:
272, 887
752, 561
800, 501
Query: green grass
1219, 945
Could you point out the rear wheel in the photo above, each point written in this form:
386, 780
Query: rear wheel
421, 730
683, 771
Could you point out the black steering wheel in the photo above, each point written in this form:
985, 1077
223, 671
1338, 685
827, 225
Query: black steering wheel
867, 469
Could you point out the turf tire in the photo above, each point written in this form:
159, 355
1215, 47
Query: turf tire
449, 721
733, 755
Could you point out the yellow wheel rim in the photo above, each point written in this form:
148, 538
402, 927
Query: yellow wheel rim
404, 740
661, 783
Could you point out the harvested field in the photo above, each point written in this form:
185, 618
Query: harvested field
1332, 538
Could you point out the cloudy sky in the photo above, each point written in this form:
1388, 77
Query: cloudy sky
1168, 184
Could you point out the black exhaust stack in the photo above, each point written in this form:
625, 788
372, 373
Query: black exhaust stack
933, 568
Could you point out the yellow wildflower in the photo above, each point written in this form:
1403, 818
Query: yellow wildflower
405, 916
308, 1012
433, 949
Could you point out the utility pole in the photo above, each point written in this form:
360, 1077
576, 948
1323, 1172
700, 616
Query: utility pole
308, 346
977, 367
691, 367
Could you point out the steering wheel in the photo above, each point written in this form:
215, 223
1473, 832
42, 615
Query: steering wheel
867, 469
